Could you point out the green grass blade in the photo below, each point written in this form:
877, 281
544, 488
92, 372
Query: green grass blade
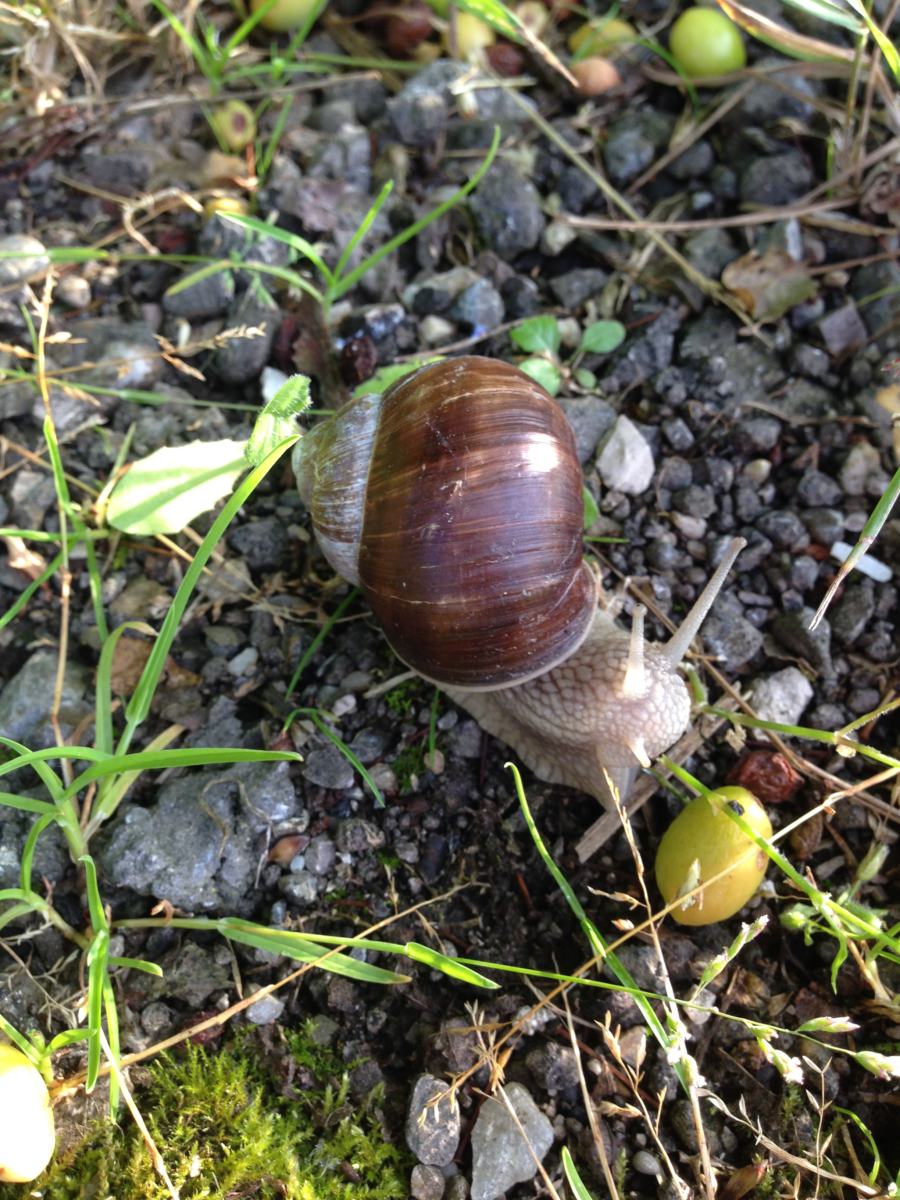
363, 228
92, 892
297, 243
198, 276
96, 963
112, 1036
113, 789
450, 967
139, 705
594, 939
30, 846
137, 964
353, 277
293, 945
103, 731
19, 1040
323, 728
308, 654
26, 803
197, 50
573, 1179
162, 760
869, 533
885, 45
21, 601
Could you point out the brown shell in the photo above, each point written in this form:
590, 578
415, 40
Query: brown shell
470, 552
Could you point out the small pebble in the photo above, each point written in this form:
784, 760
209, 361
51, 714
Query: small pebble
646, 1164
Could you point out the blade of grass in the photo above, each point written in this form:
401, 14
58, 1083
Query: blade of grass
310, 651
353, 277
139, 705
320, 724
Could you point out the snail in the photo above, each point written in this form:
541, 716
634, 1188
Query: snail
454, 500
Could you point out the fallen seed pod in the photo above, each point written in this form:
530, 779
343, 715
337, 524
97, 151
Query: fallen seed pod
701, 843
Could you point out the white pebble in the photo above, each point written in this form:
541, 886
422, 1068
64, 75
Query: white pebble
625, 462
270, 381
866, 565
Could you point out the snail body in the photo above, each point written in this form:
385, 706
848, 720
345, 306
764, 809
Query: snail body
454, 500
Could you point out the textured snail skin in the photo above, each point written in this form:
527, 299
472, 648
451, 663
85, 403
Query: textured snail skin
455, 501
577, 724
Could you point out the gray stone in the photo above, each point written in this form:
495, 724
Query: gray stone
625, 461
646, 1163
710, 251
792, 630
881, 279
27, 699
851, 615
506, 208
573, 288
843, 330
766, 103
694, 162
113, 353
810, 360
501, 1156
480, 307
432, 1122
241, 359
320, 855
300, 888
264, 544
356, 836
861, 466
326, 767
776, 179
825, 525
817, 489
590, 418
781, 696
30, 259
783, 529
32, 493
727, 632
197, 845
633, 142
208, 297
265, 1011
427, 1183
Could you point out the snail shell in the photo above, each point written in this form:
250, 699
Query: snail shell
455, 501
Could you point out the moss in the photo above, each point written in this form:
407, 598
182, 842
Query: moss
225, 1125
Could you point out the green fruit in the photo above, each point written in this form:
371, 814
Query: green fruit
602, 38
705, 42
284, 14
701, 843
234, 124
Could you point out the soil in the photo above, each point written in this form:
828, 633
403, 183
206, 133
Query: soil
764, 397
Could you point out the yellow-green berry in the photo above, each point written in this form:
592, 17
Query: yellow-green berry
701, 843
704, 41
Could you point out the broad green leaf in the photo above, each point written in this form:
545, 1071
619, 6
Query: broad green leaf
602, 337
544, 372
163, 492
537, 335
277, 420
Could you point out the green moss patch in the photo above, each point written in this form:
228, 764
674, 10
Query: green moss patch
227, 1126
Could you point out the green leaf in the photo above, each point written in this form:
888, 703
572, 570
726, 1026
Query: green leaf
537, 335
385, 376
448, 966
544, 372
277, 420
294, 945
163, 492
585, 378
573, 1179
602, 337
591, 511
